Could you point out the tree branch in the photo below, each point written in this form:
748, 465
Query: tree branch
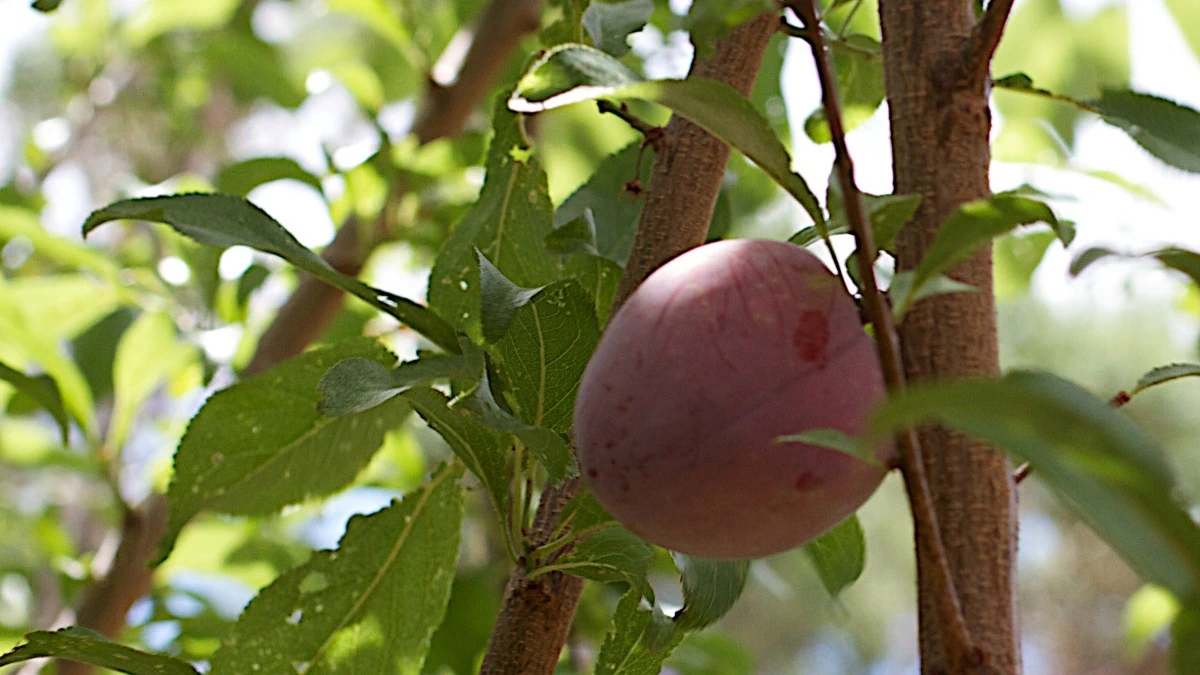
985, 37
886, 341
312, 306
686, 179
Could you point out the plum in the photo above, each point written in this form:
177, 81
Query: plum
718, 353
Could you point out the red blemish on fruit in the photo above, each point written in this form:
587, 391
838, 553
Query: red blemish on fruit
807, 481
811, 336
593, 473
609, 445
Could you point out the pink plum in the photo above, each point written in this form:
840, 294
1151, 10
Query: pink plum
718, 353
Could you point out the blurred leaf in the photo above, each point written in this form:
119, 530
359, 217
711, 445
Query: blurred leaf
833, 439
223, 220
508, 224
87, 646
608, 24
1165, 129
385, 21
1148, 613
1087, 257
266, 431
710, 653
148, 354
44, 391
463, 635
45, 5
859, 75
709, 21
152, 19
1165, 374
839, 555
499, 299
355, 385
612, 554
1185, 641
624, 651
548, 446
252, 68
1016, 257
485, 452
241, 177
573, 73
371, 605
16, 222
971, 226
887, 214
1187, 18
544, 352
710, 589
902, 297
614, 210
1103, 467
1180, 260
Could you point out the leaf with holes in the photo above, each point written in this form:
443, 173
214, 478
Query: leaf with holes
369, 606
266, 431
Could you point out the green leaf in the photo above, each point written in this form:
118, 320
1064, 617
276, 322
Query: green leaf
1087, 257
223, 220
149, 353
370, 606
92, 648
608, 24
484, 451
573, 73
355, 385
1187, 17
1164, 374
242, 177
887, 214
17, 222
508, 224
1102, 466
1148, 614
575, 235
859, 73
548, 446
499, 299
1185, 641
1180, 260
971, 226
46, 5
601, 278
1164, 128
1016, 257
834, 439
44, 391
625, 650
710, 589
711, 20
266, 431
612, 554
902, 297
614, 211
153, 19
839, 555
544, 353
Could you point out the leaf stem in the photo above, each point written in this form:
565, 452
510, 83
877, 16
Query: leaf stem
912, 465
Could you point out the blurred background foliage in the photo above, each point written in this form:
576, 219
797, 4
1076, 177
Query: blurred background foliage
307, 107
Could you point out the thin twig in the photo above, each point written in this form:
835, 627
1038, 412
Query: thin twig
912, 465
621, 110
986, 37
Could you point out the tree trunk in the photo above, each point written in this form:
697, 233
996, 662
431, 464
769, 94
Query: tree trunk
940, 125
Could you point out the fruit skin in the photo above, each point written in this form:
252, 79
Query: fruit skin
719, 352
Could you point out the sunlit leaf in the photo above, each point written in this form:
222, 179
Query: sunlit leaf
710, 589
508, 225
369, 606
224, 220
43, 390
859, 75
1187, 18
266, 431
152, 19
1148, 613
1103, 467
1016, 257
573, 73
149, 353
839, 555
86, 646
16, 222
242, 177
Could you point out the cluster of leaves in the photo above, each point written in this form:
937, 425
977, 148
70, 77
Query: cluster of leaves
518, 293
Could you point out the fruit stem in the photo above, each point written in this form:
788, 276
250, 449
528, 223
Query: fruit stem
912, 465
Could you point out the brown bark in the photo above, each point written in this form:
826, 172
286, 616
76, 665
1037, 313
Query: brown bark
311, 307
536, 615
940, 123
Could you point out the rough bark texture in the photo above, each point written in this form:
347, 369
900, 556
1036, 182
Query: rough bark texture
940, 125
536, 615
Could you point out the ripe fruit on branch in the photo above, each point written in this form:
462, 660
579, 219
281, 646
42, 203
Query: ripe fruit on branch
717, 354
